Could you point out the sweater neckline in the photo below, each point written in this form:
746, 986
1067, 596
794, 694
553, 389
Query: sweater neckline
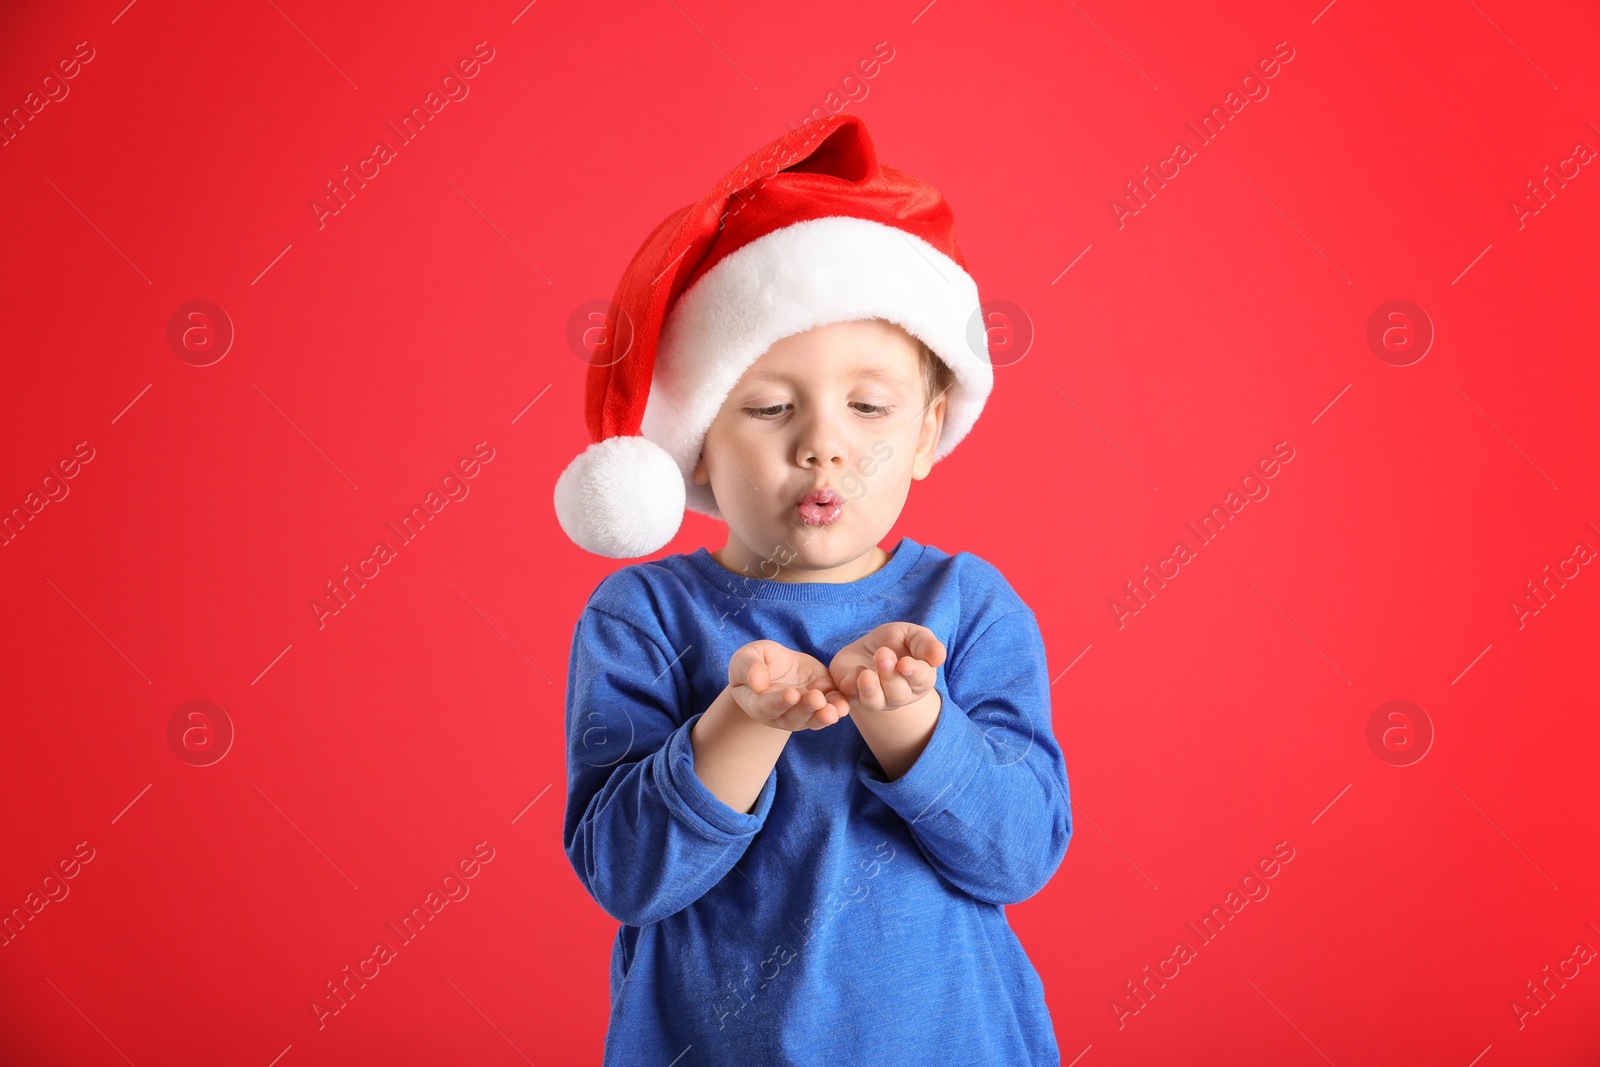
902, 559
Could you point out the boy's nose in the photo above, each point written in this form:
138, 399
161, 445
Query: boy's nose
821, 444
821, 456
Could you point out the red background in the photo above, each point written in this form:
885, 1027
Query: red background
375, 351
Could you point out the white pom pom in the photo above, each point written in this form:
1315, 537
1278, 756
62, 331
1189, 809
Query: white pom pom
621, 497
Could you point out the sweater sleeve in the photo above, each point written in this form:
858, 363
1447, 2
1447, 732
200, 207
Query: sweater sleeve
987, 800
644, 834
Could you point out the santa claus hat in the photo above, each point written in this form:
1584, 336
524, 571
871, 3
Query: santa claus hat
809, 231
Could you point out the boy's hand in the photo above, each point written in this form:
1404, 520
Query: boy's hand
784, 689
889, 668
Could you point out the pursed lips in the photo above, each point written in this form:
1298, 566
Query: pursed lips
821, 506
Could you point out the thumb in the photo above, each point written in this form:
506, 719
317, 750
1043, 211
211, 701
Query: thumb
749, 668
844, 680
759, 674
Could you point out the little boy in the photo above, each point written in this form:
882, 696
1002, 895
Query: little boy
805, 774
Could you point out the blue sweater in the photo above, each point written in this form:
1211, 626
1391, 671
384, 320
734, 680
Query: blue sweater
846, 918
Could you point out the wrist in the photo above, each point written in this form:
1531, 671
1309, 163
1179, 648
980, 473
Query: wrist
733, 755
898, 736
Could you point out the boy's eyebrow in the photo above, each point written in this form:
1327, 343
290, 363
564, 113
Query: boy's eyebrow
869, 371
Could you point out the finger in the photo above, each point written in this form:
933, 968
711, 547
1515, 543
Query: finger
838, 705
820, 680
792, 717
908, 679
918, 674
897, 691
914, 670
802, 708
810, 712
776, 704
871, 691
832, 706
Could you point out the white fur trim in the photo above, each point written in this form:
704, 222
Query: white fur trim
809, 274
621, 497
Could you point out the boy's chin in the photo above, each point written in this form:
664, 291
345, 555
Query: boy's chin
826, 547
799, 545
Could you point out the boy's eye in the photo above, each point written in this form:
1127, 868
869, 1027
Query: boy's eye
875, 410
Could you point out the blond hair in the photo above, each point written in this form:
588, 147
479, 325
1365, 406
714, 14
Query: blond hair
936, 373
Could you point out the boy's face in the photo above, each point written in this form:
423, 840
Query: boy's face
841, 408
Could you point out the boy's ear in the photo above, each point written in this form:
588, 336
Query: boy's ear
928, 439
701, 476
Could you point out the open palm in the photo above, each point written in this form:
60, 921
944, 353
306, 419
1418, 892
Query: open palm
890, 667
784, 689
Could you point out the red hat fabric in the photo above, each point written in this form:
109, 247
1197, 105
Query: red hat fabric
808, 231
